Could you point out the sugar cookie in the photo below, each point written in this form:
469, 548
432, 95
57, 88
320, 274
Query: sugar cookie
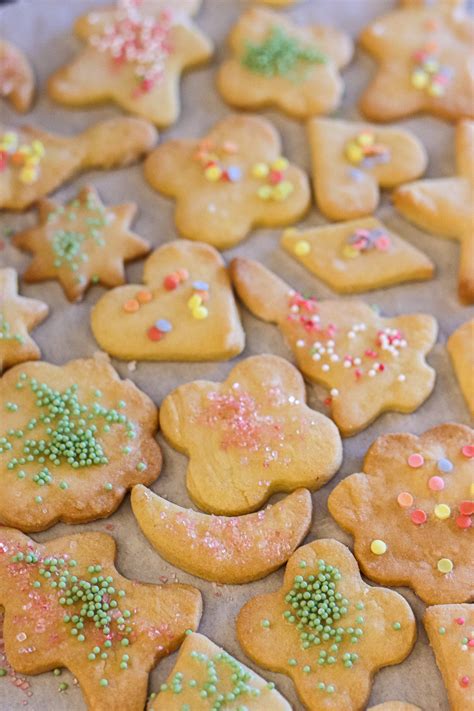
17, 81
461, 349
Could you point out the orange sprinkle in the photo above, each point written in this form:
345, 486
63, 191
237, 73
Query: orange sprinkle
144, 297
131, 306
183, 274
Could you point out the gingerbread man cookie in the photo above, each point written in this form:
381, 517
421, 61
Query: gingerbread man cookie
357, 256
33, 163
450, 629
18, 316
249, 437
444, 206
410, 512
184, 311
135, 55
352, 161
370, 364
66, 605
224, 549
461, 349
81, 243
230, 181
424, 51
326, 629
277, 63
73, 439
17, 81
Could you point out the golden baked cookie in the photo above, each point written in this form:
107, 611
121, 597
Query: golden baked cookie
276, 62
135, 55
17, 81
249, 437
410, 512
395, 706
230, 181
461, 349
370, 364
67, 606
326, 629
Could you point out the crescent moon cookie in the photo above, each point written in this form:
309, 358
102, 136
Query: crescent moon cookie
410, 512
424, 52
67, 606
445, 207
81, 243
17, 81
136, 52
461, 349
185, 310
249, 437
278, 63
369, 364
233, 179
357, 256
326, 629
69, 450
18, 316
224, 549
352, 161
450, 629
34, 163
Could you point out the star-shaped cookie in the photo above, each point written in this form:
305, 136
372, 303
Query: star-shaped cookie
424, 53
445, 206
357, 256
326, 629
461, 349
33, 162
18, 316
410, 512
352, 161
17, 81
136, 52
233, 179
278, 63
67, 606
369, 364
80, 243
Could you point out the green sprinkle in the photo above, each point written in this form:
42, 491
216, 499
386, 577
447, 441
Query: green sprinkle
108, 486
57, 672
442, 630
396, 626
3, 672
279, 55
63, 686
266, 623
103, 682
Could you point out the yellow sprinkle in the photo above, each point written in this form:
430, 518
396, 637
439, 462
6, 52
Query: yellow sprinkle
32, 161
38, 148
419, 79
200, 312
265, 192
354, 153
442, 511
28, 175
280, 164
350, 252
302, 247
194, 302
431, 66
435, 89
445, 565
260, 170
378, 547
365, 139
282, 190
213, 173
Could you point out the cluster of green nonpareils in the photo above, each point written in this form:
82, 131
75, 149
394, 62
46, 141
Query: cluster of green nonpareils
6, 332
279, 55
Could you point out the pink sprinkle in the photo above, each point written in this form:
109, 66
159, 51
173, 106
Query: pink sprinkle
468, 451
470, 643
463, 521
416, 461
464, 681
436, 483
459, 620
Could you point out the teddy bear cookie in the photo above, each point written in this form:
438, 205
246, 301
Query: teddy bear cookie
33, 162
206, 677
461, 349
278, 63
326, 629
17, 81
81, 243
424, 53
450, 629
358, 255
224, 549
410, 512
249, 437
369, 364
67, 606
18, 316
134, 56
352, 161
184, 310
73, 439
233, 179
444, 206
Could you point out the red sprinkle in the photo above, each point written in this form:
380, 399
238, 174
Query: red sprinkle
464, 681
418, 516
464, 521
466, 508
171, 282
154, 334
468, 451
275, 177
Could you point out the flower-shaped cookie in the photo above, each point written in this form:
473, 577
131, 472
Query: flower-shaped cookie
18, 316
184, 311
424, 51
352, 161
410, 512
33, 163
73, 439
81, 242
357, 256
66, 605
368, 363
135, 55
230, 181
326, 629
251, 436
445, 206
277, 63
17, 81
461, 349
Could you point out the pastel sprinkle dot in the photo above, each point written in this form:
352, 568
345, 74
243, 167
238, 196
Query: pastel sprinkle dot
104, 682
201, 285
464, 682
302, 247
442, 630
171, 282
200, 313
131, 306
444, 465
416, 461
233, 173
445, 565
194, 301
442, 511
163, 325
459, 620
468, 451
183, 274
436, 483
397, 626
405, 499
154, 334
418, 516
144, 296
463, 521
378, 547
466, 508
266, 623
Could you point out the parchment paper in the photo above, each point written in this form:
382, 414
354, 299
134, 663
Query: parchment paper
43, 29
